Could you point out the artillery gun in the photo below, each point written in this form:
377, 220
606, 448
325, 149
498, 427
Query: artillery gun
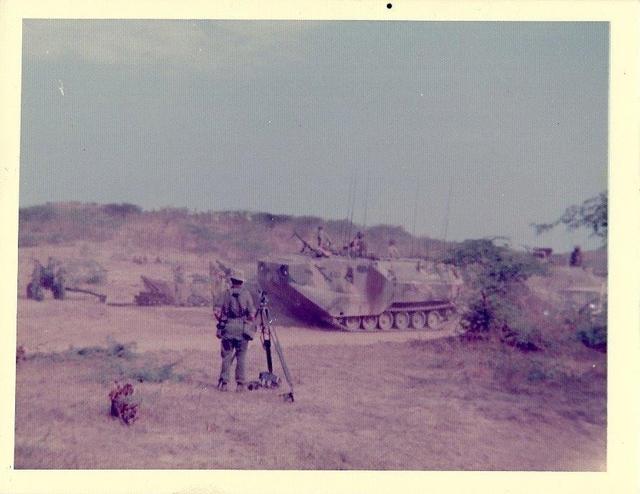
363, 293
160, 292
52, 277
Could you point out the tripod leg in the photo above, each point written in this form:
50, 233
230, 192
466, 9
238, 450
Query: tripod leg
280, 353
267, 349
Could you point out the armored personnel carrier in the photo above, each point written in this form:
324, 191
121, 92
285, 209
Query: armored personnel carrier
362, 293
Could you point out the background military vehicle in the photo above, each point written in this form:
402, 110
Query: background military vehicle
362, 293
161, 292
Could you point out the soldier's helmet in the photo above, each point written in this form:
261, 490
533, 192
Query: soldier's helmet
359, 235
320, 227
237, 275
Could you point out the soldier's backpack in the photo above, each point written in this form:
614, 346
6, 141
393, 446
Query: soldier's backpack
237, 307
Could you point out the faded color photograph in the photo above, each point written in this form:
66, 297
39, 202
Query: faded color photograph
313, 245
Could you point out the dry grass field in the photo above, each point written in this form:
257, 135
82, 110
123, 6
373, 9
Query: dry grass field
393, 400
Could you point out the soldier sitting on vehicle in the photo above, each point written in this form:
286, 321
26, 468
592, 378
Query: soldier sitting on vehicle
309, 248
392, 250
358, 246
323, 239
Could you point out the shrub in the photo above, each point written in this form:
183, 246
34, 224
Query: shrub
594, 337
154, 374
270, 220
591, 330
479, 316
122, 210
524, 337
113, 349
122, 404
86, 271
42, 213
121, 350
495, 275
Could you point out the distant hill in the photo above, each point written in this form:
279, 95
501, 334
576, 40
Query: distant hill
240, 235
234, 235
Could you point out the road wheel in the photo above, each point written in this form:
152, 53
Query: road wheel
418, 319
401, 320
352, 323
385, 321
369, 323
434, 320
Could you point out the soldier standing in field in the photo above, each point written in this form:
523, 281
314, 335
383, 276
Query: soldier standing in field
575, 260
236, 328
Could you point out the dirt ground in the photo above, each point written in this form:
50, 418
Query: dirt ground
390, 401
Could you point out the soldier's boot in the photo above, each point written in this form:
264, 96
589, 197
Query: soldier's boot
239, 388
222, 386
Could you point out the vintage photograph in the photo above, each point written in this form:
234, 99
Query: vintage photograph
313, 245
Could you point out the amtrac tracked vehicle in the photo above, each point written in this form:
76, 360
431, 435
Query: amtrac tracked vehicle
361, 293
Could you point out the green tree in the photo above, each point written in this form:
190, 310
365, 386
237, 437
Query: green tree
591, 214
494, 277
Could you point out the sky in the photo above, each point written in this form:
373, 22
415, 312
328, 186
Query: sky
451, 129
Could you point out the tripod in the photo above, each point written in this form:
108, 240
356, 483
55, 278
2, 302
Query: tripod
267, 335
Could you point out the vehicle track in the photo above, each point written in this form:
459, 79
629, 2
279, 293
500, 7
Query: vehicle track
291, 336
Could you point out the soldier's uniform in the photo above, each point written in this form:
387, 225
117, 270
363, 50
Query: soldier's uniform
323, 239
392, 250
575, 259
235, 329
358, 246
